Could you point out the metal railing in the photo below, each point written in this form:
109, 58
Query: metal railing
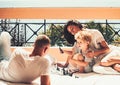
25, 33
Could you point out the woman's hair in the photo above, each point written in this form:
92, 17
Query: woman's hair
68, 36
41, 41
83, 35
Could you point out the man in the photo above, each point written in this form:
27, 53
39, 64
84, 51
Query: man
23, 66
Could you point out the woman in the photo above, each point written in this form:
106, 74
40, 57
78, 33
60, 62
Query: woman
98, 41
70, 39
100, 46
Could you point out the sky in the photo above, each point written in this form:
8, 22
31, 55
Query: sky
59, 3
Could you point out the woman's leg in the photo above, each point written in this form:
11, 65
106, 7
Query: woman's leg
104, 70
111, 62
108, 61
112, 58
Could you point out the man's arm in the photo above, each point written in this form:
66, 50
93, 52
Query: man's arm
45, 80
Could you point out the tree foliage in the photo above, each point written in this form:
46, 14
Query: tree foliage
106, 30
55, 32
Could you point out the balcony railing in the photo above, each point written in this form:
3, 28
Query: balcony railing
25, 33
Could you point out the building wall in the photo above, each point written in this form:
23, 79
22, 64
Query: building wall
61, 13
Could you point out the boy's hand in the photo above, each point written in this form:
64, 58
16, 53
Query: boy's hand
90, 54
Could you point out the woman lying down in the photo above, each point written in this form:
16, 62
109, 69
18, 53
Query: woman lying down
108, 59
107, 63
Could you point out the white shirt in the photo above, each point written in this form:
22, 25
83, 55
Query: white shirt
97, 37
22, 68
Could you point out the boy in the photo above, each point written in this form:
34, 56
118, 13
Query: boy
80, 60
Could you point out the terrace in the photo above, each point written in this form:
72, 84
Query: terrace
45, 14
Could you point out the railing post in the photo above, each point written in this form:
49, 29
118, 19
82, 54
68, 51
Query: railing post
44, 26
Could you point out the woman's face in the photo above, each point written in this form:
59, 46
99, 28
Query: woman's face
73, 29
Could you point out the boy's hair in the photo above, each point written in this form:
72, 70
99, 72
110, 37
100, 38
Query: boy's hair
83, 35
41, 41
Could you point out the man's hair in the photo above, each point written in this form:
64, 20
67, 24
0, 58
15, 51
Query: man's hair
83, 35
41, 41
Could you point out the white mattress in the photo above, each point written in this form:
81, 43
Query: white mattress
82, 79
78, 78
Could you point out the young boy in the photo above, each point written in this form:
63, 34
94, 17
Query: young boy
80, 60
24, 67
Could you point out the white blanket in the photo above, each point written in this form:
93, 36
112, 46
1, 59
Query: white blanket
84, 79
77, 78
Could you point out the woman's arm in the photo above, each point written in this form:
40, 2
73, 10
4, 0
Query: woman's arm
67, 52
104, 49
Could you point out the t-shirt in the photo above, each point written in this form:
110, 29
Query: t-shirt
22, 68
97, 37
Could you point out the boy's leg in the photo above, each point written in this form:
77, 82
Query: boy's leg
5, 45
